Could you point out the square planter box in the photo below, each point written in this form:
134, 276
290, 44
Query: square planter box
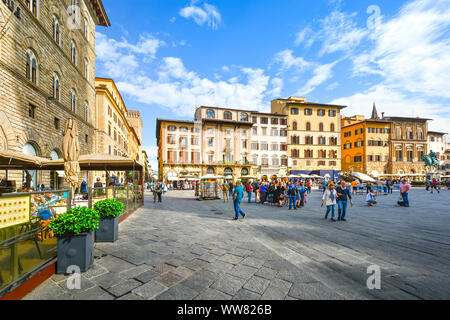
75, 250
108, 230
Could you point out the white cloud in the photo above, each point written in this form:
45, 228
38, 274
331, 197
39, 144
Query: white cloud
178, 89
207, 14
121, 57
321, 74
302, 35
412, 50
276, 87
288, 61
395, 103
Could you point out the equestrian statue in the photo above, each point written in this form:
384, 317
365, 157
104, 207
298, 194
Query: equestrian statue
431, 161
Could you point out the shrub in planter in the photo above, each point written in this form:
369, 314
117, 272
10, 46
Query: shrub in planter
109, 211
75, 233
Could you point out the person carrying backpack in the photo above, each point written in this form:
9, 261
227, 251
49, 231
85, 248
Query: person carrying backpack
249, 190
292, 194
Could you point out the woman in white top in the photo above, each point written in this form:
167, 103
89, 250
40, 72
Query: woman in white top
329, 198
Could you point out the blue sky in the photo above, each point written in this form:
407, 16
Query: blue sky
167, 56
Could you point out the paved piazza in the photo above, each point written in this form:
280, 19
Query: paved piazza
187, 249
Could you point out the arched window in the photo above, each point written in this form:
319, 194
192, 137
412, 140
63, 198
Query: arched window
73, 52
73, 101
244, 117
31, 67
227, 115
86, 111
33, 6
332, 127
56, 30
244, 172
29, 149
56, 87
308, 126
210, 114
210, 170
321, 126
294, 125
86, 68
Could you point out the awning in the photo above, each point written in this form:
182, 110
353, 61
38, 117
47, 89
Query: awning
13, 160
97, 162
17, 160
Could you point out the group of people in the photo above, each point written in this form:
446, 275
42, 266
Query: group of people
277, 193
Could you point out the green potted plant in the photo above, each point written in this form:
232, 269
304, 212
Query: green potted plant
74, 231
109, 211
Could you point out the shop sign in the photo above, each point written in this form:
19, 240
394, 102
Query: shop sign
14, 211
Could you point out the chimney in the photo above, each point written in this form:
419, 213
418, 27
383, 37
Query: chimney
382, 115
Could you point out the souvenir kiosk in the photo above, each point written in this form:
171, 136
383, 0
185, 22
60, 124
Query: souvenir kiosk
209, 187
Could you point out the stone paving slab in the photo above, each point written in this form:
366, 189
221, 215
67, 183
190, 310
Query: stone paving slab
182, 249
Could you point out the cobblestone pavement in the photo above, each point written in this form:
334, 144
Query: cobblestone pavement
187, 249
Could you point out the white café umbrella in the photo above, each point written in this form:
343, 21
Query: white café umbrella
362, 177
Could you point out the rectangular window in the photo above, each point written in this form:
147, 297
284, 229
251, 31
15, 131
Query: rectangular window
274, 121
255, 146
357, 159
254, 119
399, 155
410, 155
264, 146
283, 147
308, 112
264, 131
32, 111
274, 133
283, 133
321, 112
264, 120
255, 131
274, 147
283, 122
332, 113
86, 138
211, 142
284, 162
294, 111
56, 122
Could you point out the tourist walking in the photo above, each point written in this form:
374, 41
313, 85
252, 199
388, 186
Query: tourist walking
159, 191
435, 185
230, 189
263, 190
255, 186
343, 196
225, 193
238, 194
329, 199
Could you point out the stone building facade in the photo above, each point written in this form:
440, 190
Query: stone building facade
408, 143
268, 145
114, 133
135, 121
225, 136
47, 69
179, 151
314, 136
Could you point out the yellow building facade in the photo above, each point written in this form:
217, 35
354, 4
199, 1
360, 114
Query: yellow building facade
365, 145
314, 139
114, 134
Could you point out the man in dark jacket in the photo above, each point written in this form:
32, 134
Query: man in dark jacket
343, 195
